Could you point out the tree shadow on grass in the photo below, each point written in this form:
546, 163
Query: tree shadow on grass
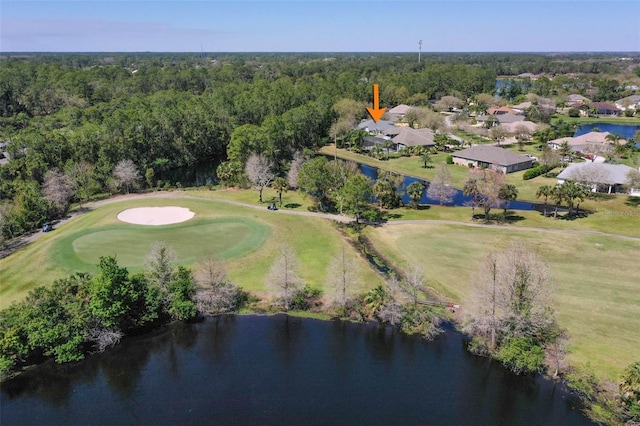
574, 215
633, 201
292, 205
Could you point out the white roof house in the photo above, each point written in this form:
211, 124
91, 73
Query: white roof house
598, 176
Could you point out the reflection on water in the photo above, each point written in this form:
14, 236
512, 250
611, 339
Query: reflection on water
281, 370
459, 199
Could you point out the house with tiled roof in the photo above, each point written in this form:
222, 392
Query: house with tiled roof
492, 157
408, 137
579, 143
374, 128
577, 99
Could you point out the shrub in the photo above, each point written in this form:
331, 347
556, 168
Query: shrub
537, 171
522, 355
306, 299
449, 159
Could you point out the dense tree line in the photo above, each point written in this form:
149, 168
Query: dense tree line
80, 116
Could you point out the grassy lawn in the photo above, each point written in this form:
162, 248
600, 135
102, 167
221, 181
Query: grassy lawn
597, 289
246, 239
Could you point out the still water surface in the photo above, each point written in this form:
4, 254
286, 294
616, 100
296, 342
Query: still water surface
277, 370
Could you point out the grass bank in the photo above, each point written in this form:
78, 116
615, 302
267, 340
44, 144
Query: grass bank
597, 290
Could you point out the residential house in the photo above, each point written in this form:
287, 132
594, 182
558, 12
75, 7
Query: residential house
599, 177
597, 108
408, 137
492, 157
374, 128
502, 110
592, 141
501, 118
577, 99
630, 102
397, 113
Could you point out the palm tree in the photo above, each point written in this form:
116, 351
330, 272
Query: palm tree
565, 150
425, 157
471, 189
415, 191
388, 144
280, 185
506, 193
557, 195
544, 191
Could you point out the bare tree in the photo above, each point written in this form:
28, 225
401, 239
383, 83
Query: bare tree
440, 187
292, 175
522, 134
215, 294
259, 172
209, 272
633, 179
126, 174
103, 337
343, 275
483, 185
391, 311
58, 188
283, 277
499, 133
413, 284
160, 265
593, 175
511, 298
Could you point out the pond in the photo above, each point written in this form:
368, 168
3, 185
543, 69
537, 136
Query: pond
626, 131
459, 198
279, 370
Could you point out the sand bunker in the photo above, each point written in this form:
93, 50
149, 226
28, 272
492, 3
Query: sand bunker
155, 215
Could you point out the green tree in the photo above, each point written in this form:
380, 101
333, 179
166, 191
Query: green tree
522, 355
630, 392
355, 194
386, 190
112, 294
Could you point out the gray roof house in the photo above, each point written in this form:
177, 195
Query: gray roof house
502, 118
493, 157
405, 137
374, 128
631, 102
600, 177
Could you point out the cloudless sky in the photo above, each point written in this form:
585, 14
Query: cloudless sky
319, 26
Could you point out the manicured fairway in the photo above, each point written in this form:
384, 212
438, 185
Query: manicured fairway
229, 238
596, 280
246, 239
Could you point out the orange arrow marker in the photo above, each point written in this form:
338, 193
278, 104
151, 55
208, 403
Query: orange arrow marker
376, 112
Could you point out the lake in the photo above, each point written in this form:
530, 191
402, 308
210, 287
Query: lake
459, 199
626, 131
279, 370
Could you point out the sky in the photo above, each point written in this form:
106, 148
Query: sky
319, 26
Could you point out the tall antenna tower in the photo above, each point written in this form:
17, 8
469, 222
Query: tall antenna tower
419, 50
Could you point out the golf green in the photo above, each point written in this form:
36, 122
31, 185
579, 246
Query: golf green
227, 238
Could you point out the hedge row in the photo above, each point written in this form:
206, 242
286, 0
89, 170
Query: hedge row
537, 171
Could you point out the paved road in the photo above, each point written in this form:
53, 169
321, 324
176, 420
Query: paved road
24, 240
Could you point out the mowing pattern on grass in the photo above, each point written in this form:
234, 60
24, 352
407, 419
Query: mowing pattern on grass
228, 238
597, 290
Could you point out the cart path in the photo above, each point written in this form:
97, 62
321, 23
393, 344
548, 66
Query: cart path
87, 207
